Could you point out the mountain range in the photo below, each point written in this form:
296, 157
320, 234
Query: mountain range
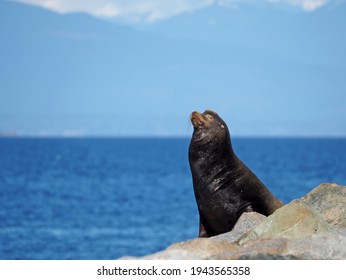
267, 71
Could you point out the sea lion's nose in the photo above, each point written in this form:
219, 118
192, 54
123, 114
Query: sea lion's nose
193, 114
197, 119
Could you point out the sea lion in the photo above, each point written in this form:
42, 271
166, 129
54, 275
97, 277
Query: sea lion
224, 186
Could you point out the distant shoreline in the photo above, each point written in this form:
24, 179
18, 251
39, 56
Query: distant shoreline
17, 136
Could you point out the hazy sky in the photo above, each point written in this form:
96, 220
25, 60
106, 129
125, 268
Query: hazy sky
139, 68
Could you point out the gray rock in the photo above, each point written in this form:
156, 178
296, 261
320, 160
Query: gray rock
195, 249
293, 220
257, 248
321, 246
246, 221
329, 201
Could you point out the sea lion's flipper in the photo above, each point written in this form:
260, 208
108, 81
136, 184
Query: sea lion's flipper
202, 231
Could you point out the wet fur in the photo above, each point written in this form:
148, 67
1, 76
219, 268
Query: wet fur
224, 186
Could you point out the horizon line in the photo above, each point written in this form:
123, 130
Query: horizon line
104, 136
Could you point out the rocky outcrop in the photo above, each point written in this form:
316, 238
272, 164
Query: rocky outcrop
312, 227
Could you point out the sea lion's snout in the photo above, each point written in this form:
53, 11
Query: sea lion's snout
198, 120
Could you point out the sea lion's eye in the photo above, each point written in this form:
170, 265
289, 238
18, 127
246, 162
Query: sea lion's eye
210, 117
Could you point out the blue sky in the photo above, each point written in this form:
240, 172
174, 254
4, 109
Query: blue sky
139, 68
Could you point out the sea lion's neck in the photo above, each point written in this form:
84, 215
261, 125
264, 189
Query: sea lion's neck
209, 161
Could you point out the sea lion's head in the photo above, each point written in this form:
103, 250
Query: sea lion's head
208, 127
210, 143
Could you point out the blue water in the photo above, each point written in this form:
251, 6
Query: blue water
105, 198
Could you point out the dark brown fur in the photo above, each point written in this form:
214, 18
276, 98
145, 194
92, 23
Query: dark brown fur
224, 186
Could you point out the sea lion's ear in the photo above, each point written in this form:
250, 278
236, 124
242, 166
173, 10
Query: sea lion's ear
209, 116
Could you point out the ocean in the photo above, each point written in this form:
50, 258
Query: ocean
103, 198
